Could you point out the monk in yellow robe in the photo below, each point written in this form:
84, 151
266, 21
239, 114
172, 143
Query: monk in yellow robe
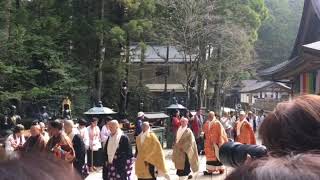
215, 136
244, 131
185, 152
150, 156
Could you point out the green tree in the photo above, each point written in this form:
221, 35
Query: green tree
54, 48
102, 31
217, 34
36, 64
278, 32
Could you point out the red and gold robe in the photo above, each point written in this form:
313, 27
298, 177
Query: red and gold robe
64, 146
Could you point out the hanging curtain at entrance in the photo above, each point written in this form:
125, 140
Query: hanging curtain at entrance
309, 83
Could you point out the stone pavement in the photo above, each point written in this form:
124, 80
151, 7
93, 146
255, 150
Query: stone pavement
98, 175
172, 171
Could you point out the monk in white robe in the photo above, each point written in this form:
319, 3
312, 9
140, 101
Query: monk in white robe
118, 155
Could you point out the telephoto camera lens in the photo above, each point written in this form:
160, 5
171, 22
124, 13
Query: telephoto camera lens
234, 154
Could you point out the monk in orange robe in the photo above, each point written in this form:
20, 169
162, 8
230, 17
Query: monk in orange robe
244, 132
215, 136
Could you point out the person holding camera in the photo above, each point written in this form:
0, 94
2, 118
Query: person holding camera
290, 135
234, 154
293, 126
243, 131
303, 166
215, 136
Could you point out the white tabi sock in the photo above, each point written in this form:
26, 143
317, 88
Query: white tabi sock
183, 177
195, 175
167, 177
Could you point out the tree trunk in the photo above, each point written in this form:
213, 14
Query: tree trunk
18, 4
218, 85
201, 77
199, 90
166, 71
127, 54
188, 92
188, 95
7, 16
101, 56
187, 81
141, 66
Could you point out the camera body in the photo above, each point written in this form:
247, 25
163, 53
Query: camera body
234, 154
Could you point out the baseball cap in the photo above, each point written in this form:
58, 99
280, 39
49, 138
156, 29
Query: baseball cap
140, 114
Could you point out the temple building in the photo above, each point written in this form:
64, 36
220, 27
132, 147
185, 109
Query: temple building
302, 70
162, 69
264, 95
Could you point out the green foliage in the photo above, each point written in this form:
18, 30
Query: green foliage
38, 93
278, 32
138, 94
52, 47
118, 35
124, 21
35, 65
113, 75
139, 8
244, 75
247, 14
228, 27
138, 28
